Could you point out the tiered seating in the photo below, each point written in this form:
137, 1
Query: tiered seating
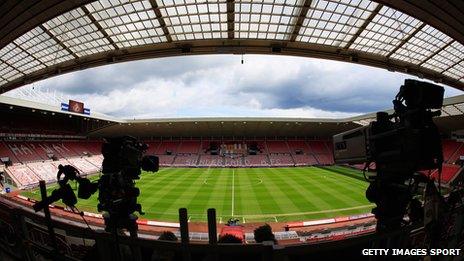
44, 170
257, 161
304, 160
205, 145
210, 161
22, 175
59, 162
281, 160
233, 162
329, 145
449, 171
152, 147
324, 159
64, 150
277, 147
318, 147
185, 160
295, 145
84, 166
449, 148
167, 146
23, 152
459, 152
260, 144
45, 150
166, 160
94, 147
79, 147
95, 160
189, 147
6, 152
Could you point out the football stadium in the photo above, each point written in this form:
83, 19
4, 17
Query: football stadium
79, 184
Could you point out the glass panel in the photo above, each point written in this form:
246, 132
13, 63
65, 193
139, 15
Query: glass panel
451, 55
423, 44
75, 30
194, 20
266, 19
42, 47
128, 23
386, 31
331, 22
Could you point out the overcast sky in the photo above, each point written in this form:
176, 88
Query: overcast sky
219, 85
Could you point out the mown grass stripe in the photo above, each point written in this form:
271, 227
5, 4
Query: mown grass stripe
285, 193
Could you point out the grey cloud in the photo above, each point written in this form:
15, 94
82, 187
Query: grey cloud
200, 85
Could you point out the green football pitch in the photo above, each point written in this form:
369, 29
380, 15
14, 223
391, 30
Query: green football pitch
250, 194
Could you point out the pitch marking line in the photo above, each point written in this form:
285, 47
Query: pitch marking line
307, 213
233, 190
275, 218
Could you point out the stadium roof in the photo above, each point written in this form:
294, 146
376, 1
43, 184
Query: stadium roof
14, 102
43, 38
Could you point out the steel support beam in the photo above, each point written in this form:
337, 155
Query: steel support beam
231, 19
436, 52
161, 21
9, 65
405, 40
99, 27
225, 46
299, 21
454, 64
28, 53
58, 41
363, 26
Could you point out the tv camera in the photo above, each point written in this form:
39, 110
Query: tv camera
123, 160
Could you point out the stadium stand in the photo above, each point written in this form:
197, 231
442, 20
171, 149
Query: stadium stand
298, 146
6, 152
166, 160
210, 161
449, 148
257, 161
189, 147
449, 171
318, 147
152, 147
79, 147
281, 159
233, 162
36, 163
44, 170
22, 175
277, 147
63, 149
95, 160
185, 160
304, 160
167, 147
457, 154
21, 151
84, 166
324, 159
94, 147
